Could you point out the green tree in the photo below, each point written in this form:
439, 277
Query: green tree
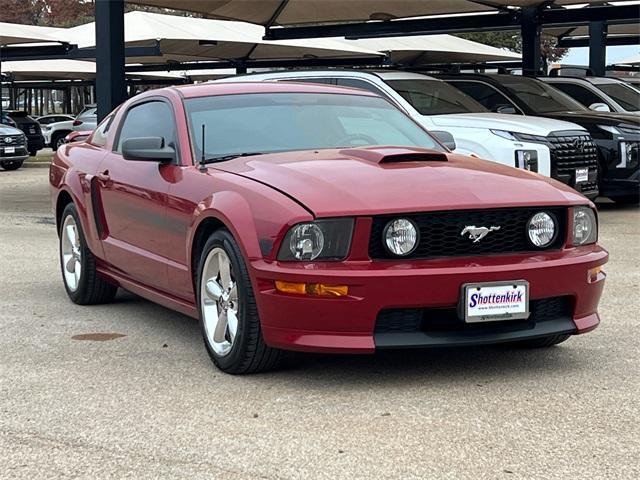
513, 41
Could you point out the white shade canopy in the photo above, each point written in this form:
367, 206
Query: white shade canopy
425, 49
296, 12
632, 60
14, 33
64, 70
184, 39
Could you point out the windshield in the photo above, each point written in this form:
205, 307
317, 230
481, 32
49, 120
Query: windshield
627, 97
276, 122
433, 97
539, 96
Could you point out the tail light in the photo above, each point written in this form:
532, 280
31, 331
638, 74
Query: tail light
76, 123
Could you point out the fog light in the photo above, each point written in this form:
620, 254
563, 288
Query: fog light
316, 289
527, 160
542, 229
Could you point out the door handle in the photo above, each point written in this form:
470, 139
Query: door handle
103, 177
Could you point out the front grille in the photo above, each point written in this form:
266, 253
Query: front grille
441, 232
570, 151
14, 140
409, 320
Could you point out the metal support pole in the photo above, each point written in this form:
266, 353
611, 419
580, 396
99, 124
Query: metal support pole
530, 26
598, 48
110, 83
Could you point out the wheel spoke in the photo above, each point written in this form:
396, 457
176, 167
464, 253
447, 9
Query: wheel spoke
233, 293
232, 324
221, 327
214, 290
71, 235
225, 270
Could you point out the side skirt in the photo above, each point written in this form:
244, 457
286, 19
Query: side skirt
149, 293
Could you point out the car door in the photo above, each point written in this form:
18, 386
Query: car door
133, 196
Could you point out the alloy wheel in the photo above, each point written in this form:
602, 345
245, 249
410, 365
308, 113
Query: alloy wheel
219, 301
71, 253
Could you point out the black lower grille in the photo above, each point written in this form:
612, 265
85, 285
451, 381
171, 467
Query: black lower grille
409, 320
441, 233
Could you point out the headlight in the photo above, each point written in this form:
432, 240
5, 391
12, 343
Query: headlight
542, 229
319, 240
504, 134
585, 226
401, 237
527, 160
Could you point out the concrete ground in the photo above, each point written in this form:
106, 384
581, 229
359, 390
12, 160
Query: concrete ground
150, 404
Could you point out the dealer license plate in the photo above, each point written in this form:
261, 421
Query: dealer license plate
582, 175
492, 302
9, 150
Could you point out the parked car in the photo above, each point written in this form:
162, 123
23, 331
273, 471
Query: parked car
616, 135
602, 94
30, 127
440, 107
54, 118
5, 119
13, 148
316, 218
86, 119
55, 128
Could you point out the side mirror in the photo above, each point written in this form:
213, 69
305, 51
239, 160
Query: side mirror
150, 149
599, 107
509, 109
446, 139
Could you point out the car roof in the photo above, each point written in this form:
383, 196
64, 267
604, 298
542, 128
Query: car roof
234, 88
386, 74
591, 80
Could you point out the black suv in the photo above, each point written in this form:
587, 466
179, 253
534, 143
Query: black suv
31, 128
616, 135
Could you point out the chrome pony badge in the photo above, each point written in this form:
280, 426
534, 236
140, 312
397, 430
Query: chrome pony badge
477, 233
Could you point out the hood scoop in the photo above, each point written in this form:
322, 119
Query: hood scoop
382, 155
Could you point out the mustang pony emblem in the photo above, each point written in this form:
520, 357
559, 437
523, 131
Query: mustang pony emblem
477, 233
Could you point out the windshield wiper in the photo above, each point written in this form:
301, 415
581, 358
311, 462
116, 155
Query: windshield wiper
224, 158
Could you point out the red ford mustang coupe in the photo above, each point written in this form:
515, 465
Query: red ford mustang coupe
318, 218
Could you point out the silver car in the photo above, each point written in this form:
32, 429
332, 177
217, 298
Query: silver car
87, 119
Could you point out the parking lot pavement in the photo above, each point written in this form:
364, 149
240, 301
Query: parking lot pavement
150, 403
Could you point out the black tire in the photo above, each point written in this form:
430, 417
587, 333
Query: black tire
249, 353
33, 153
92, 289
627, 199
57, 140
12, 165
544, 342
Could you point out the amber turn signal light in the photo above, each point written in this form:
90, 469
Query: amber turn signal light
317, 289
595, 274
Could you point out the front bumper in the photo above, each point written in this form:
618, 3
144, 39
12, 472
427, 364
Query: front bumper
348, 324
20, 153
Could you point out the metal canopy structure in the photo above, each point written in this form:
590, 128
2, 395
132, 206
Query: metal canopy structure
296, 19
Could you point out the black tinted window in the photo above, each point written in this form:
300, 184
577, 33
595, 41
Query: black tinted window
151, 119
488, 96
433, 97
583, 95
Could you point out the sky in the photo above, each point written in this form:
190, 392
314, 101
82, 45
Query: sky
580, 56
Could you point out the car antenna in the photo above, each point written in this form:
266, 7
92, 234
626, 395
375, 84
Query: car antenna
201, 165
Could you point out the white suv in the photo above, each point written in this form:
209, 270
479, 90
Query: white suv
438, 106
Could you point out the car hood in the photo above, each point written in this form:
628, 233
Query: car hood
7, 130
501, 121
378, 180
598, 118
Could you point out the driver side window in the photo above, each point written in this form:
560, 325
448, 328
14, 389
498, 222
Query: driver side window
149, 119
